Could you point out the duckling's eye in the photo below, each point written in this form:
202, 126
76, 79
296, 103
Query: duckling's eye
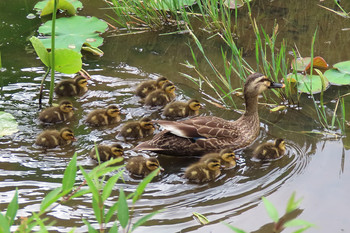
70, 135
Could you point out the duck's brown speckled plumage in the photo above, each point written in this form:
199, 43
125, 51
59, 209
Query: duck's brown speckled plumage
204, 134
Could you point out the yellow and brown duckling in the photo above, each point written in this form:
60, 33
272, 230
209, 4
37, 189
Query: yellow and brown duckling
138, 129
107, 152
63, 112
182, 109
270, 150
201, 172
144, 88
102, 117
161, 97
226, 156
53, 138
142, 166
72, 87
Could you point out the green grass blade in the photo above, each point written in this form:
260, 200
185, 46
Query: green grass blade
4, 224
91, 229
235, 229
91, 184
110, 184
70, 174
144, 219
123, 210
271, 210
141, 187
111, 212
12, 208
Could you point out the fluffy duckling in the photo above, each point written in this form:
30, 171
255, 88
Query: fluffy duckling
53, 138
106, 152
182, 109
138, 129
270, 150
144, 88
161, 97
203, 171
107, 116
142, 166
63, 112
72, 87
226, 156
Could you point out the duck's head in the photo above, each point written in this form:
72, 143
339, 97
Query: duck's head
257, 83
117, 150
80, 81
66, 106
67, 134
113, 111
161, 81
146, 123
169, 87
213, 164
229, 156
195, 105
152, 164
280, 144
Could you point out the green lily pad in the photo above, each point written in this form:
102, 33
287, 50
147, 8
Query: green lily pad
343, 67
46, 6
313, 83
8, 124
336, 77
173, 5
300, 63
73, 32
233, 4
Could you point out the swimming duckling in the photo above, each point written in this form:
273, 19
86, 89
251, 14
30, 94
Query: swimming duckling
182, 109
161, 97
106, 152
53, 138
105, 116
270, 150
203, 171
62, 112
72, 87
144, 88
138, 129
226, 156
142, 166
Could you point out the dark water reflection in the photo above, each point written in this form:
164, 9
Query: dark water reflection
315, 166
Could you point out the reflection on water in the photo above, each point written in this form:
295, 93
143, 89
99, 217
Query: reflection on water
311, 162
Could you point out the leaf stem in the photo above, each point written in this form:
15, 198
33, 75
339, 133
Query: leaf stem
53, 35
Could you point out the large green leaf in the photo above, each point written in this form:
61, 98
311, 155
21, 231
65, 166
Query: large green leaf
46, 6
173, 5
313, 83
336, 77
40, 50
343, 66
67, 61
73, 32
8, 124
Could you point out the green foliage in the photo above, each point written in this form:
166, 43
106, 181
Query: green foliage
8, 124
311, 83
12, 209
73, 32
201, 218
141, 187
337, 77
271, 210
123, 209
46, 6
70, 174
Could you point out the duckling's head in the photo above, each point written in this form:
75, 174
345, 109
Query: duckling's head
152, 164
66, 106
146, 123
195, 105
67, 134
280, 144
113, 111
81, 81
257, 83
117, 150
161, 81
169, 87
213, 164
228, 156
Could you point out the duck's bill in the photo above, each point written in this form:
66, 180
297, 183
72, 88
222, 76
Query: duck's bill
277, 85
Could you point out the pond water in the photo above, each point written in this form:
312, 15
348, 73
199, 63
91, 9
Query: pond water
316, 166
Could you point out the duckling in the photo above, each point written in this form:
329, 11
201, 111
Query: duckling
53, 138
144, 88
226, 156
203, 171
72, 87
161, 97
105, 116
181, 109
106, 152
137, 129
270, 150
142, 166
62, 112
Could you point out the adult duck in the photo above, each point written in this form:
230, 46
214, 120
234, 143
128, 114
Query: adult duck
204, 134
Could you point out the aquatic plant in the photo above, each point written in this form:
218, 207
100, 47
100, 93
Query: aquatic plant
46, 7
8, 124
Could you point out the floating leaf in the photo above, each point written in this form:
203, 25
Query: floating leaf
278, 108
8, 124
319, 63
173, 5
73, 32
67, 61
336, 77
63, 5
311, 83
343, 66
304, 63
201, 218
